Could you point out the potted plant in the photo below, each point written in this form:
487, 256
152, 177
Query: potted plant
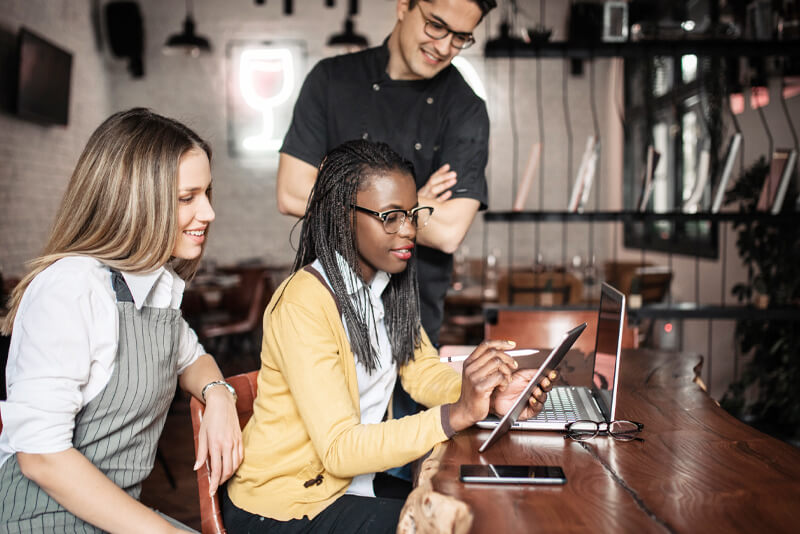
767, 394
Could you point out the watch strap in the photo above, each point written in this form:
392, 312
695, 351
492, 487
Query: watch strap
218, 383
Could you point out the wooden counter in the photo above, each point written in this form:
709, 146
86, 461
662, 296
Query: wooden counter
699, 470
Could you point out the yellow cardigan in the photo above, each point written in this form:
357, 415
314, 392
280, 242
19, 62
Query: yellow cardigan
305, 440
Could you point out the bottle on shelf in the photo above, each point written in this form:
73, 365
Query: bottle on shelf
491, 276
547, 296
460, 268
635, 298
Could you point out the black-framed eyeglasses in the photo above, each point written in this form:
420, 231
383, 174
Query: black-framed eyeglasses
437, 30
393, 220
584, 430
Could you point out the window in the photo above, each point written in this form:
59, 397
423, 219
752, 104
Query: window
676, 111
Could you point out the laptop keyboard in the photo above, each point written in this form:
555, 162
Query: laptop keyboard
559, 407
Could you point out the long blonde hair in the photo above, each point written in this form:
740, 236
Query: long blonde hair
120, 206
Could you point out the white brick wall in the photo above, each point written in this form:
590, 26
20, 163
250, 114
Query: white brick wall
36, 161
193, 90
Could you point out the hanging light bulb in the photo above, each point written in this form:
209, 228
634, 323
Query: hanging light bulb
187, 42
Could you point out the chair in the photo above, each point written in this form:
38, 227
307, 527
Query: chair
653, 281
210, 513
544, 328
245, 307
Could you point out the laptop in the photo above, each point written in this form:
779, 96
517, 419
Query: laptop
565, 404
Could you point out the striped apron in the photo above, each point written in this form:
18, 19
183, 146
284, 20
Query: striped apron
118, 430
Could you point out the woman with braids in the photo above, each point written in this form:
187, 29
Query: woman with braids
98, 342
337, 334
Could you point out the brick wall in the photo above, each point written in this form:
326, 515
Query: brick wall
36, 161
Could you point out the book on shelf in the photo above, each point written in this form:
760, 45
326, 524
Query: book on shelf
647, 181
701, 179
718, 196
775, 186
586, 171
527, 178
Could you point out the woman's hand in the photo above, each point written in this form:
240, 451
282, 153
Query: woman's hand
503, 400
486, 369
220, 437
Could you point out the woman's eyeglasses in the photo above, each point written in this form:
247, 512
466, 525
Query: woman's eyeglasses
584, 430
393, 220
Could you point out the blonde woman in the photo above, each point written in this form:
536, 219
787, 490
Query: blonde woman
98, 342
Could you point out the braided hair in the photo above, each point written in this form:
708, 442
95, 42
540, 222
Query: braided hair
329, 231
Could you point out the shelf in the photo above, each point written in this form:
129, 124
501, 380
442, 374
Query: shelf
633, 216
702, 47
675, 310
690, 310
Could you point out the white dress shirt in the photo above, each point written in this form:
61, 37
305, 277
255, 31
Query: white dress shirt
64, 346
374, 389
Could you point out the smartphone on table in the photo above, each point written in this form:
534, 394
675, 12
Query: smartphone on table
512, 474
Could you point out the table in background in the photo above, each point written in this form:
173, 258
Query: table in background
699, 470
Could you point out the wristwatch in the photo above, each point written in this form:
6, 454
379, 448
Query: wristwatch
218, 383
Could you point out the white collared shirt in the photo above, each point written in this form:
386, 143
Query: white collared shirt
374, 389
64, 347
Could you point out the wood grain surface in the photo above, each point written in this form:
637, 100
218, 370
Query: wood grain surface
699, 470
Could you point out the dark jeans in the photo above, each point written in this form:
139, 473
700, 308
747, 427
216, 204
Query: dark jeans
349, 514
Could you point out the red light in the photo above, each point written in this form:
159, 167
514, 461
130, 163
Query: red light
668, 328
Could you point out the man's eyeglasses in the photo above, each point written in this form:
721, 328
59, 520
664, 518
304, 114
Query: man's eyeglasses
584, 430
393, 220
437, 30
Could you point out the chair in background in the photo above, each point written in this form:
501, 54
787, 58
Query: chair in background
239, 330
651, 281
210, 513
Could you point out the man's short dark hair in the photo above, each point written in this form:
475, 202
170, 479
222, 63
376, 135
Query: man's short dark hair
485, 5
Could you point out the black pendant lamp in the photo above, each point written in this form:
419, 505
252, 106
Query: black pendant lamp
348, 40
187, 42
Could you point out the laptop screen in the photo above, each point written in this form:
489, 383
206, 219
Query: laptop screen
606, 357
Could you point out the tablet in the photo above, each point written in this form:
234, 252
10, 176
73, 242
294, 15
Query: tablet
551, 362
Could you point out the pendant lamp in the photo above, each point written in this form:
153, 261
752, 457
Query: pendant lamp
187, 42
348, 40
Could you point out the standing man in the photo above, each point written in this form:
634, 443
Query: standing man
404, 93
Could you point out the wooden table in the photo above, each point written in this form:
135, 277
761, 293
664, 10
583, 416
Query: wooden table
699, 470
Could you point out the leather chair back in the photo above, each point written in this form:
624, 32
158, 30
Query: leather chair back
210, 513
